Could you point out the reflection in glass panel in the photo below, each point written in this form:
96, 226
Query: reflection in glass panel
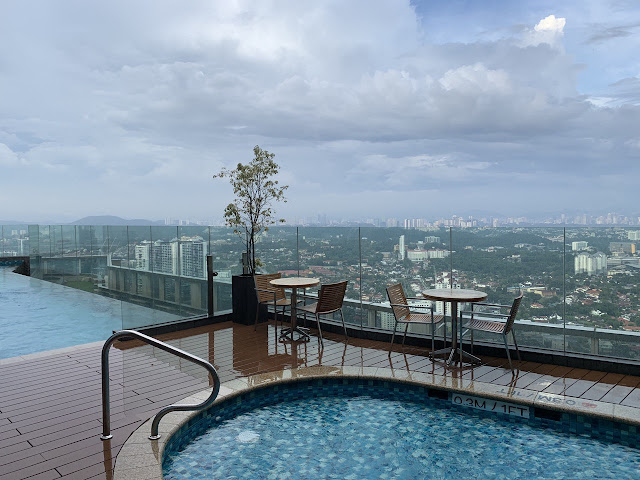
602, 291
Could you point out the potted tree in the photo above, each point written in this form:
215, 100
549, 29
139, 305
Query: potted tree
250, 214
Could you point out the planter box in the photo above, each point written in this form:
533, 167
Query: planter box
243, 299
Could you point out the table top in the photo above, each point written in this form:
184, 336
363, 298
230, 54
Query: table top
295, 282
454, 294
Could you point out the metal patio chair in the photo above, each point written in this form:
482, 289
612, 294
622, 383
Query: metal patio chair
270, 296
403, 313
492, 322
330, 300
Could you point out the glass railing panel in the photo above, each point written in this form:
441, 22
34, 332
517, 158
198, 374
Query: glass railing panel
65, 260
51, 237
138, 272
151, 284
602, 291
99, 244
56, 239
226, 249
35, 257
193, 249
14, 241
386, 261
78, 263
276, 250
46, 249
117, 247
332, 254
504, 261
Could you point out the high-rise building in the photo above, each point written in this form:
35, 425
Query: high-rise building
401, 248
165, 257
142, 254
577, 246
193, 257
595, 264
633, 235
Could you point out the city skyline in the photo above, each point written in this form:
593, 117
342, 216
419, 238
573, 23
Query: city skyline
402, 221
372, 108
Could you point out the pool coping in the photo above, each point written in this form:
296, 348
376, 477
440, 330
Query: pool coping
141, 458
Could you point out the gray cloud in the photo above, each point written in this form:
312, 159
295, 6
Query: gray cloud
144, 101
603, 33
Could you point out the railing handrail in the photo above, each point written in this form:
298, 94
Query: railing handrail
106, 422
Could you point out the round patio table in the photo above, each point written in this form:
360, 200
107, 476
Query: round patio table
454, 296
294, 283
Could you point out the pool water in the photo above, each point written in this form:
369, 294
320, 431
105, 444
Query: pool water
395, 435
36, 315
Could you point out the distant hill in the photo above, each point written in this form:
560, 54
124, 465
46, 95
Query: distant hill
12, 222
113, 220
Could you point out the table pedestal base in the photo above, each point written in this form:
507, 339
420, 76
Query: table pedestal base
286, 334
451, 352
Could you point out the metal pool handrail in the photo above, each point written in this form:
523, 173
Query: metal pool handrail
106, 423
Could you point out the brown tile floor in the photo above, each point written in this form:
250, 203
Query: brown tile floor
50, 406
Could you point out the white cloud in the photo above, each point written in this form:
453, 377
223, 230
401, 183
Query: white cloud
551, 24
549, 30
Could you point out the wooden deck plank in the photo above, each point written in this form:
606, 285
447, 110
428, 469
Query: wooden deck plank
50, 406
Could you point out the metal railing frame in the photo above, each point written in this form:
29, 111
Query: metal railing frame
106, 421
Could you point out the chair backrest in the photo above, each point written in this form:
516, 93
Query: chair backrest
397, 297
512, 313
331, 296
262, 283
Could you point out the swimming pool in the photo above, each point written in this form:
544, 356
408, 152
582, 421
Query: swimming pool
36, 315
374, 429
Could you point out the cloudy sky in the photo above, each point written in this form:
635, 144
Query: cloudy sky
373, 108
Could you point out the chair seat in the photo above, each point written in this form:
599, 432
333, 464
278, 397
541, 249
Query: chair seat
283, 302
311, 308
485, 325
414, 317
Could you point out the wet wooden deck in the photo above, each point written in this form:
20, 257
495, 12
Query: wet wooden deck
50, 405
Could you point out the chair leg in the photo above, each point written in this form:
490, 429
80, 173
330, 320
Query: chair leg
319, 329
346, 336
471, 342
275, 315
395, 325
404, 337
513, 334
506, 345
433, 335
461, 339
